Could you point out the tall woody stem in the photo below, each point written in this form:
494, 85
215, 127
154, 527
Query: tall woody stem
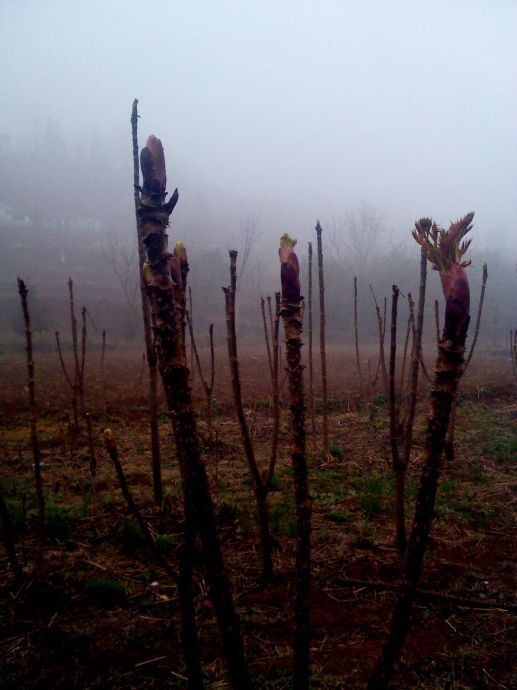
259, 482
165, 275
381, 329
445, 252
208, 385
398, 468
152, 361
356, 338
311, 359
416, 360
292, 314
404, 358
323, 351
274, 326
31, 384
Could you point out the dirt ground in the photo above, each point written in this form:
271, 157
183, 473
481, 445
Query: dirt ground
103, 614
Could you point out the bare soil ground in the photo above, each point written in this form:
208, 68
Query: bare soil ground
102, 613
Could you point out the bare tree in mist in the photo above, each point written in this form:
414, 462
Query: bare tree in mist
121, 254
359, 236
246, 241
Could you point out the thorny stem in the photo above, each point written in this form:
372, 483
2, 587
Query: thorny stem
152, 361
356, 338
23, 292
416, 360
266, 335
311, 360
394, 433
291, 311
103, 374
83, 357
404, 360
276, 393
71, 383
259, 483
165, 275
274, 328
484, 278
75, 345
323, 352
446, 378
207, 387
381, 327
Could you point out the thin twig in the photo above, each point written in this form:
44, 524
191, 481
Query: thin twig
323, 351
356, 338
311, 361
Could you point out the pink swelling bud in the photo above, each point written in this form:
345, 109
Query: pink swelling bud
289, 269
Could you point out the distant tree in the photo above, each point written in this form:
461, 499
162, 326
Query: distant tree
359, 236
246, 242
120, 252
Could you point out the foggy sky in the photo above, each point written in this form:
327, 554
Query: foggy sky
301, 108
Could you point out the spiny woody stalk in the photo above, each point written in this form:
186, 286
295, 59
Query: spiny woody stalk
275, 323
356, 338
381, 329
23, 292
152, 361
76, 382
166, 276
103, 374
404, 357
75, 346
445, 250
323, 351
311, 361
292, 314
416, 360
272, 353
266, 335
394, 431
259, 480
208, 385
484, 278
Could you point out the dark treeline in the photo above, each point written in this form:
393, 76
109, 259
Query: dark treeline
36, 251
53, 226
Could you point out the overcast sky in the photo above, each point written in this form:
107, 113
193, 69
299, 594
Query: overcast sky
303, 107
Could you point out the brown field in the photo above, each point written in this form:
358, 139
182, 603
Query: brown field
102, 614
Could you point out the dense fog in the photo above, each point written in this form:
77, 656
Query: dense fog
364, 115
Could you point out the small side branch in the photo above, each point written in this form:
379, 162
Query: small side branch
323, 351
